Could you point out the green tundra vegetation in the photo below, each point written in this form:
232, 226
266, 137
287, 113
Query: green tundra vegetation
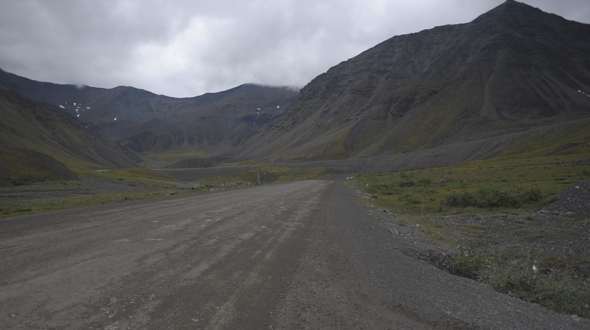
485, 213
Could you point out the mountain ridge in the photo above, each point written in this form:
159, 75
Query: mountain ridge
454, 82
510, 69
150, 122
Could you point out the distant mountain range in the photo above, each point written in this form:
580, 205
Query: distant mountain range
486, 84
130, 121
148, 122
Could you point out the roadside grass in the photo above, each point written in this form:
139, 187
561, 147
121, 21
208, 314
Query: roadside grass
29, 206
491, 198
484, 212
559, 282
477, 186
138, 184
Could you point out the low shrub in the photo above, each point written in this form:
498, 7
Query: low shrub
490, 198
466, 265
407, 183
531, 196
424, 182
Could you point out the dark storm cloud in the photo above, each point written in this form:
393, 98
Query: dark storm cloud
189, 47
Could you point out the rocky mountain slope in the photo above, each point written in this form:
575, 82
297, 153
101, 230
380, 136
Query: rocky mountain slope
511, 69
40, 142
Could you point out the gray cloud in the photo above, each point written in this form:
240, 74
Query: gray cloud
186, 47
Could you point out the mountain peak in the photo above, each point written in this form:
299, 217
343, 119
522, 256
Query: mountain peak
515, 5
513, 13
511, 7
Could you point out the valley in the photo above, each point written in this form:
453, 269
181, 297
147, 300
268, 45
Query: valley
440, 179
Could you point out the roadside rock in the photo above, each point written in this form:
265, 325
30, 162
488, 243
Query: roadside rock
572, 201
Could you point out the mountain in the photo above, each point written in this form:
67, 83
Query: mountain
215, 122
473, 89
147, 122
40, 142
511, 69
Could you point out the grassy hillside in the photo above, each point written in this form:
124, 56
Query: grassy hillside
38, 142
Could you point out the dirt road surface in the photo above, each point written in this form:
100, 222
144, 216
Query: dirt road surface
289, 256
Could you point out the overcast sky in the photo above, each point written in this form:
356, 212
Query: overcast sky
188, 47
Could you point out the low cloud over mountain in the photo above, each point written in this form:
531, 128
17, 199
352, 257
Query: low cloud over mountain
185, 48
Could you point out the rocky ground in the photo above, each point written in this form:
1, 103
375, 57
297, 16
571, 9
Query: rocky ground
541, 256
574, 201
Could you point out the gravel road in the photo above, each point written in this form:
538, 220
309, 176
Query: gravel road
298, 255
